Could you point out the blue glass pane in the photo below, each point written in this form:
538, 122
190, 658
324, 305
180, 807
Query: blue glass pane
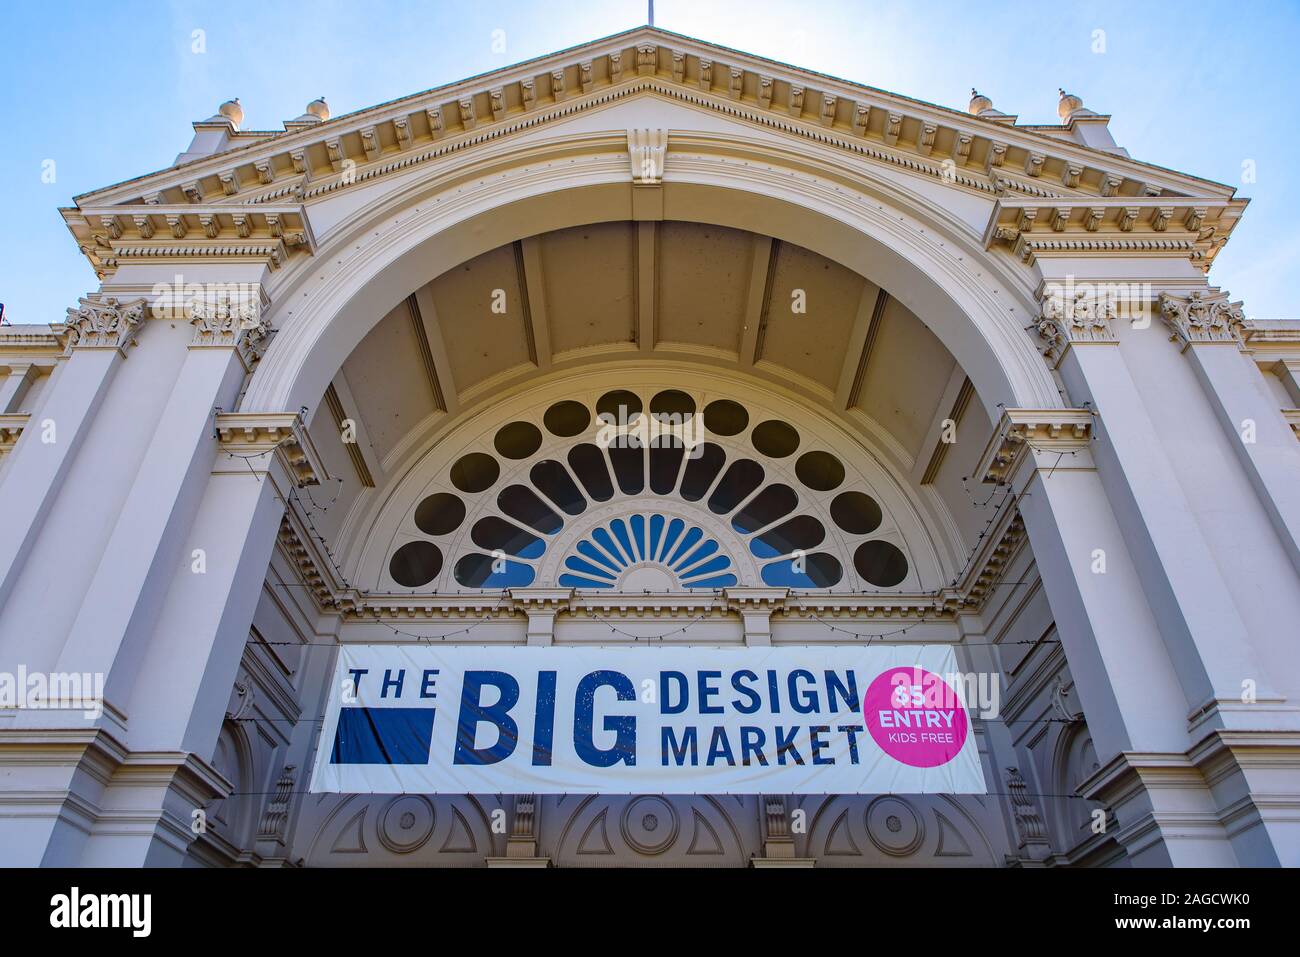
716, 564
596, 555
575, 581
574, 563
721, 581
638, 534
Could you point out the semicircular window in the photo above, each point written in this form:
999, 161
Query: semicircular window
647, 553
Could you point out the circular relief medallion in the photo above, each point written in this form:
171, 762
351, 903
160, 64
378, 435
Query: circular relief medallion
894, 826
406, 823
649, 824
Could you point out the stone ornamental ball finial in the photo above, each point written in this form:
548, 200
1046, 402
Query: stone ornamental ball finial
319, 108
232, 111
979, 103
1069, 105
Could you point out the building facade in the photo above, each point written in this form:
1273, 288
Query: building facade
960, 380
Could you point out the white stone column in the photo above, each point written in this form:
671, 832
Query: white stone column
1176, 548
1121, 666
1208, 327
99, 332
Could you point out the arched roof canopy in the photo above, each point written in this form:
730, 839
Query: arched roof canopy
391, 238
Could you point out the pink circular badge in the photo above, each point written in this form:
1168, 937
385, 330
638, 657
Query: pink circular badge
915, 717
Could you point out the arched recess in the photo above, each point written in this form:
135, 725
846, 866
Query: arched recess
392, 242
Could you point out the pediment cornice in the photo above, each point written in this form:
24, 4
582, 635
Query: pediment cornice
964, 151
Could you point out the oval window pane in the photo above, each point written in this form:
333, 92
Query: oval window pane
415, 564
736, 484
724, 417
627, 458
518, 440
775, 438
439, 514
880, 563
856, 513
553, 479
619, 407
801, 532
818, 570
701, 470
522, 504
820, 471
588, 463
672, 406
666, 454
476, 472
567, 419
496, 534
483, 571
765, 508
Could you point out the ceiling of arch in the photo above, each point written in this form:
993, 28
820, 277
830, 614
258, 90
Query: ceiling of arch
690, 294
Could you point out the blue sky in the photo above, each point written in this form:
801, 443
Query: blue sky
107, 91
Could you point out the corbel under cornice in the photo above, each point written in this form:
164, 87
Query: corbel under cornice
11, 428
1032, 430
252, 434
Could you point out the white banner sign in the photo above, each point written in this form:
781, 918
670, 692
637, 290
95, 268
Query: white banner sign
810, 720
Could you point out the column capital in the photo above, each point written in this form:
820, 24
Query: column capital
1202, 316
105, 323
226, 322
1073, 315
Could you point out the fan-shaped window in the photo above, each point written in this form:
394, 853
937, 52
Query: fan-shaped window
856, 513
765, 508
415, 564
651, 551
820, 471
497, 534
567, 419
801, 532
483, 571
439, 514
818, 570
666, 452
476, 472
518, 440
774, 438
522, 504
740, 479
880, 563
701, 469
724, 417
619, 407
553, 479
588, 463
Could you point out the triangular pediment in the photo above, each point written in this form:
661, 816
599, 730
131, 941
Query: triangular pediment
282, 171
